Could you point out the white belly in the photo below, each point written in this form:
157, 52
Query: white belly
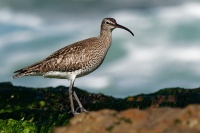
61, 75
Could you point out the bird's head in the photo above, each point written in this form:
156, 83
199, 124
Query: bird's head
111, 24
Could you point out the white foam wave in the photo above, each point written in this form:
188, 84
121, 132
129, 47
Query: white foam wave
184, 12
15, 37
152, 61
185, 54
21, 19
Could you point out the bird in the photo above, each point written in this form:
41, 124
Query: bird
75, 60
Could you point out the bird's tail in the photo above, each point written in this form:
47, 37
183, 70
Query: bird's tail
31, 70
21, 73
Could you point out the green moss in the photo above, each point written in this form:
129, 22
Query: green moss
109, 128
42, 103
126, 120
41, 109
15, 126
177, 121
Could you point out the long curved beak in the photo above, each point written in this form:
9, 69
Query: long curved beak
122, 27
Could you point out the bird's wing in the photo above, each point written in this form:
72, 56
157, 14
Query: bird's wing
67, 59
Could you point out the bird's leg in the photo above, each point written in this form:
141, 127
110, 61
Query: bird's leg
79, 103
70, 95
76, 97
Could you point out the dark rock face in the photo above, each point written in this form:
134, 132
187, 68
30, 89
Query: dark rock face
151, 120
44, 108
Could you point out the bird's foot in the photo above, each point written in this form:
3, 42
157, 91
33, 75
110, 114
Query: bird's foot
74, 113
82, 110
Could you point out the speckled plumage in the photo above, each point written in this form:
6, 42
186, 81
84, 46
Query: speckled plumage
84, 56
75, 60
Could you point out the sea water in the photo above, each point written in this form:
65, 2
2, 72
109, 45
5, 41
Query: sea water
165, 51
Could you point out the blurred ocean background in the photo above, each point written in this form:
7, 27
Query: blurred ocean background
165, 51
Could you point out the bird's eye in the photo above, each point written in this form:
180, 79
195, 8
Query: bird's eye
107, 23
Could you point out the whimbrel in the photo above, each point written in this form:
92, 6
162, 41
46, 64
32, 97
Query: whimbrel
75, 60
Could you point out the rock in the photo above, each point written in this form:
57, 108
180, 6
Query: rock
49, 107
151, 120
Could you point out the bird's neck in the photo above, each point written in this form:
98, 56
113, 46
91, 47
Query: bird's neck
106, 36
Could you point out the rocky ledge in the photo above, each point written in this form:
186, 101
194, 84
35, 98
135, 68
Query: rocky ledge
30, 110
151, 120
